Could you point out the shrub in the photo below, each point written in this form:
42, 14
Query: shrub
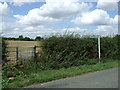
70, 50
4, 52
109, 47
33, 66
10, 71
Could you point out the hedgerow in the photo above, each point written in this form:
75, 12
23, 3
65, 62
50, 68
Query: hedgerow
4, 51
69, 50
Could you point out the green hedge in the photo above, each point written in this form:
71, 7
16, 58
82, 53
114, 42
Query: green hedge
109, 47
69, 50
4, 51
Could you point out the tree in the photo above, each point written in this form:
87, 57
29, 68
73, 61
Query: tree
38, 38
20, 37
27, 39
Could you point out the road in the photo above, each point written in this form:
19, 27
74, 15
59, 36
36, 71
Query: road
100, 79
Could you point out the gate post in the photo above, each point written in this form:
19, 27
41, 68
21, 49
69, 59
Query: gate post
34, 50
16, 53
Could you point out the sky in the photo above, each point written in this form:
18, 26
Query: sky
43, 18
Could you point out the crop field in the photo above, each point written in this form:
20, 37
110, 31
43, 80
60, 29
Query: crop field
22, 43
23, 52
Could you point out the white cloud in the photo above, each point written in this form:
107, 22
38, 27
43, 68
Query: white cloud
116, 19
17, 29
63, 8
103, 30
32, 24
5, 13
4, 9
106, 30
21, 2
1, 27
95, 17
107, 4
52, 12
33, 18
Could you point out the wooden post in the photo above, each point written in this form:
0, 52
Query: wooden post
34, 48
16, 53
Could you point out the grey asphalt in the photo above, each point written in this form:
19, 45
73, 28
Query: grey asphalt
100, 79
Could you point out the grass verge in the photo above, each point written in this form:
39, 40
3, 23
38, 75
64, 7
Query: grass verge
36, 76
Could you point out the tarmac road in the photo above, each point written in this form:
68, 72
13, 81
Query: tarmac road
100, 79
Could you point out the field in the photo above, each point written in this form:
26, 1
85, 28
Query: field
22, 43
23, 52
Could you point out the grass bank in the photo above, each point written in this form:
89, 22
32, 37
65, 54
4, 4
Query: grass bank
36, 76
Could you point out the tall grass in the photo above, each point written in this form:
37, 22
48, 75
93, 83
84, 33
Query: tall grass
36, 76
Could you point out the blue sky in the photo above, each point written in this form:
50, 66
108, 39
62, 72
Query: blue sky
43, 18
23, 10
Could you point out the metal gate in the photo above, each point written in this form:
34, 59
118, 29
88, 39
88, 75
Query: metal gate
22, 53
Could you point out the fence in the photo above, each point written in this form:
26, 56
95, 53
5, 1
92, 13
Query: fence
22, 53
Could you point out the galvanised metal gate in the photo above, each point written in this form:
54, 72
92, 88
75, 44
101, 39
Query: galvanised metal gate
22, 53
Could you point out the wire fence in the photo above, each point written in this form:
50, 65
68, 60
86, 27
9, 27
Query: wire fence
22, 53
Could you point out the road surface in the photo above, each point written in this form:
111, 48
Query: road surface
100, 79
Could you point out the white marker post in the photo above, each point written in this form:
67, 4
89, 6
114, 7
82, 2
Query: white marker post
99, 47
97, 36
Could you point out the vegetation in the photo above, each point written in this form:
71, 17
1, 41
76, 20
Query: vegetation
33, 75
70, 50
63, 56
4, 52
38, 38
21, 38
